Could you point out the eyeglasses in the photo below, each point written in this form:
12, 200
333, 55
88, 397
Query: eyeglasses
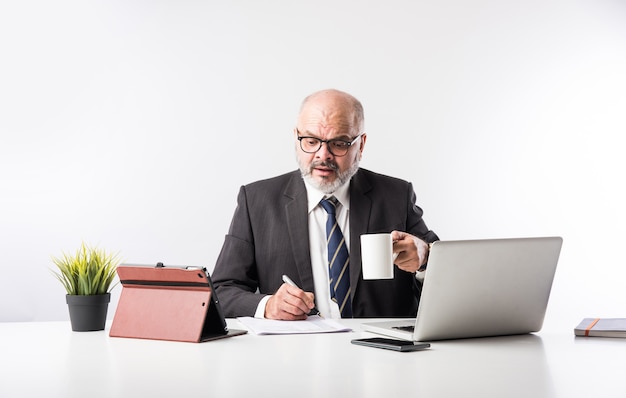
336, 146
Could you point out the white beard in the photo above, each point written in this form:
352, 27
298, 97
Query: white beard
328, 187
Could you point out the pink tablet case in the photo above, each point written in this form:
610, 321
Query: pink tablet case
167, 303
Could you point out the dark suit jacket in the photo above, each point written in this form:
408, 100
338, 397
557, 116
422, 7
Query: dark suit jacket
269, 237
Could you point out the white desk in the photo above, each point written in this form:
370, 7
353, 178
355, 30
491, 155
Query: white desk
49, 360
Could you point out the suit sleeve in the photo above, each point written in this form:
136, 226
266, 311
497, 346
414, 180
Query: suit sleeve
416, 225
235, 275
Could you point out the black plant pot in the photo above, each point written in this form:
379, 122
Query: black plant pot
88, 313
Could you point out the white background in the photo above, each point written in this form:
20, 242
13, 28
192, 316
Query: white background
130, 125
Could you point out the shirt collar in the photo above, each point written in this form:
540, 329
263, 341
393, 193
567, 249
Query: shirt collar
314, 195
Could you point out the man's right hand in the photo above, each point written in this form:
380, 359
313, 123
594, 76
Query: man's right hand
289, 303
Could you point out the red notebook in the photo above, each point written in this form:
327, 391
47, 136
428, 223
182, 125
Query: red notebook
168, 303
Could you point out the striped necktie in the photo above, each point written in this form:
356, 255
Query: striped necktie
338, 260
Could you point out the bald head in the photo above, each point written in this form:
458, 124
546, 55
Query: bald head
331, 106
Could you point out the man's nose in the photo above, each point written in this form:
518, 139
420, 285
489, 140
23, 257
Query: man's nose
324, 152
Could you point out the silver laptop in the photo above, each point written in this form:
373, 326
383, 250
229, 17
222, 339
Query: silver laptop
479, 288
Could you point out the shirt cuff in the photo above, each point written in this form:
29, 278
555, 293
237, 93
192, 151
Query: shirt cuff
260, 309
419, 275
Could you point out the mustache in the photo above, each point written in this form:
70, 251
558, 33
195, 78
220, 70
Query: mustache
331, 165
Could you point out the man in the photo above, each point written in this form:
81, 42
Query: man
279, 228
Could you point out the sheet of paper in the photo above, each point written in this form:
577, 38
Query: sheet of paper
313, 324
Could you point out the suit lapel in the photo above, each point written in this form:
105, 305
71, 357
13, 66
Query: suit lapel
360, 210
296, 211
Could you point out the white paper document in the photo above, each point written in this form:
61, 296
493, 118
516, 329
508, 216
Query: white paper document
313, 324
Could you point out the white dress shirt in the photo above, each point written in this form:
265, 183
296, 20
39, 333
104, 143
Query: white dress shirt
319, 249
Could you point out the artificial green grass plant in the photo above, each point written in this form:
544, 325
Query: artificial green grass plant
88, 272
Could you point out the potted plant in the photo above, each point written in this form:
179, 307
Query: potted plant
87, 277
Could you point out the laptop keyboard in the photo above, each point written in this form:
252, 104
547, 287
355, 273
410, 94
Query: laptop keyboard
405, 328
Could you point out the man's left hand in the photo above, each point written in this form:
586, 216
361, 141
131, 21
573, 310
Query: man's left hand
412, 251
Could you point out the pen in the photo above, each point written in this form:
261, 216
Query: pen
287, 280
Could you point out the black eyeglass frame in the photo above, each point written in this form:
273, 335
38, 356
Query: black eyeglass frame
328, 142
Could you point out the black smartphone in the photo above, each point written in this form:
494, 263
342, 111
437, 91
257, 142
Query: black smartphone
391, 344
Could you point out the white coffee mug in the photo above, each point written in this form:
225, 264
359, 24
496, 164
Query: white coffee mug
377, 256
